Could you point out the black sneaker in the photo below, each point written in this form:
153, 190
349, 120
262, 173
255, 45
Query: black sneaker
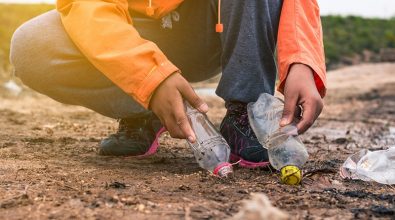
236, 130
137, 136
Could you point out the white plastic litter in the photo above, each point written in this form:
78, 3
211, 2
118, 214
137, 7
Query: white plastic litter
12, 87
210, 148
368, 165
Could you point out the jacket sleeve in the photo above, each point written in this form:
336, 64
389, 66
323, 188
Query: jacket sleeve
300, 40
102, 30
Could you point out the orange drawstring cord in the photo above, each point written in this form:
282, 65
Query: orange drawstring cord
219, 27
150, 10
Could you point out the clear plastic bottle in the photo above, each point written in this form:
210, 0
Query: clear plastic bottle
287, 154
210, 148
286, 151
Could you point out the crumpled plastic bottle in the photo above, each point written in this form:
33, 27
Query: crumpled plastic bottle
286, 151
368, 165
210, 149
287, 154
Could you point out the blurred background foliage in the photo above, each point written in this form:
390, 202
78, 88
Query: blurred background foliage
344, 37
11, 17
350, 36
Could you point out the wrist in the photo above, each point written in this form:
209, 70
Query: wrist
300, 76
301, 70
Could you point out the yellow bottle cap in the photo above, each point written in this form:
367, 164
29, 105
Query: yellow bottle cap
290, 175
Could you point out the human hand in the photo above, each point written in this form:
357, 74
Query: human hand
167, 103
300, 89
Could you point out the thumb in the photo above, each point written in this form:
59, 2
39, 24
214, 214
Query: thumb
289, 110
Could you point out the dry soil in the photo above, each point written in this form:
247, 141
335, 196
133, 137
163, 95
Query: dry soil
49, 167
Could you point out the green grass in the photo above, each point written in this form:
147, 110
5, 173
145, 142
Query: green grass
11, 17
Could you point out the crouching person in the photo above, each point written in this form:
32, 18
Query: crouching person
133, 61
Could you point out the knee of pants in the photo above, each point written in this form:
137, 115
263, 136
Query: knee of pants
28, 49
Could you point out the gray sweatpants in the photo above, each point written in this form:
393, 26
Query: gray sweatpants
46, 60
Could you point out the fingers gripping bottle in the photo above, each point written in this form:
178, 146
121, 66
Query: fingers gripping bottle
210, 148
286, 151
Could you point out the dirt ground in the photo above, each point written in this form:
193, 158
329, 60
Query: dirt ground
49, 168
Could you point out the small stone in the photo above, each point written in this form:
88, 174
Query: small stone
140, 207
184, 188
243, 191
151, 204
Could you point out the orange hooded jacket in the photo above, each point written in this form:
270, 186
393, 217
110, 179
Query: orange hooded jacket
103, 31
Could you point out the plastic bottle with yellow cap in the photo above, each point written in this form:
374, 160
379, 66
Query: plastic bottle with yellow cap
287, 154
